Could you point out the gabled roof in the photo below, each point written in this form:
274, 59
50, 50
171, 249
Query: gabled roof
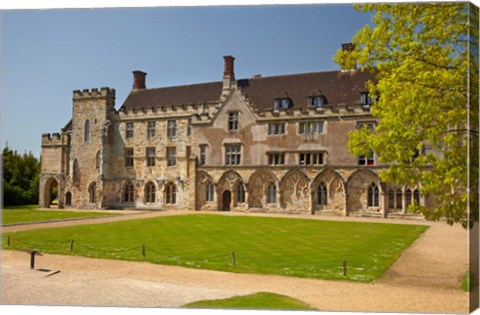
336, 86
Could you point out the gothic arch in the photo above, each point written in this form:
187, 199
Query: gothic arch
335, 186
257, 187
51, 191
358, 185
202, 181
229, 181
295, 190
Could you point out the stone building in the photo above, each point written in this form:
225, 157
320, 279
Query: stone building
271, 144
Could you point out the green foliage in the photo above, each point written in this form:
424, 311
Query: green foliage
283, 246
258, 301
20, 178
24, 214
425, 57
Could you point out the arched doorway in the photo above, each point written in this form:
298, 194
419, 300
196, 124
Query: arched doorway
51, 193
227, 198
68, 199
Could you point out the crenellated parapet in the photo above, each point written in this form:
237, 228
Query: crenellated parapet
103, 92
166, 111
54, 140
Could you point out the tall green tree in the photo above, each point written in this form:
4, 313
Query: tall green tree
425, 57
20, 178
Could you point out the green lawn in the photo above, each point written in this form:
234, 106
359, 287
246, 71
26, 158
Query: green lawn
23, 214
283, 246
257, 301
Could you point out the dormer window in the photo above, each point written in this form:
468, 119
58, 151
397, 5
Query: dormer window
365, 99
233, 121
283, 103
317, 101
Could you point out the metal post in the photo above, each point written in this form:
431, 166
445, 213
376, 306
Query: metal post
143, 250
233, 258
71, 245
344, 268
32, 259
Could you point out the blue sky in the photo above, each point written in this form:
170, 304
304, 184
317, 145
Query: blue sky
46, 54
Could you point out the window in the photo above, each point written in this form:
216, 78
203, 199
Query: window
283, 103
311, 158
240, 193
276, 129
373, 196
129, 157
272, 193
310, 127
209, 191
171, 128
276, 158
365, 99
151, 157
170, 194
317, 101
395, 199
408, 197
233, 121
129, 130
232, 154
92, 192
151, 129
322, 194
171, 156
369, 124
150, 192
87, 131
128, 191
416, 197
367, 160
97, 160
189, 127
203, 154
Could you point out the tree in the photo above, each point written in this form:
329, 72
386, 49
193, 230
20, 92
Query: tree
20, 178
425, 60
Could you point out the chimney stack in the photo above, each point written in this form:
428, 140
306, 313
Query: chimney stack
348, 47
228, 73
139, 80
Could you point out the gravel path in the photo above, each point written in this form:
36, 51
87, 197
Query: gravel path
425, 278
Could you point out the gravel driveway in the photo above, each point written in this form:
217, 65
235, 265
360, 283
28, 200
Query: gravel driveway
426, 278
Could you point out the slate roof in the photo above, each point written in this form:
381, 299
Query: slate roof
338, 87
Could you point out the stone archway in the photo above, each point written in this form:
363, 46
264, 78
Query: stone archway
334, 186
227, 190
358, 186
51, 193
295, 191
257, 188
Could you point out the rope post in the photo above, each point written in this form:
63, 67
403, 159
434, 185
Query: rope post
344, 268
71, 245
143, 250
8, 240
233, 258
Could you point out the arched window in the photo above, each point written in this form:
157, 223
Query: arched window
92, 192
391, 199
75, 172
416, 197
373, 196
128, 192
322, 194
240, 193
68, 198
150, 192
87, 131
399, 199
170, 194
97, 160
408, 197
272, 193
209, 191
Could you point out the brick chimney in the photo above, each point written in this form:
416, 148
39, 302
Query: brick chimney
139, 80
228, 73
348, 47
